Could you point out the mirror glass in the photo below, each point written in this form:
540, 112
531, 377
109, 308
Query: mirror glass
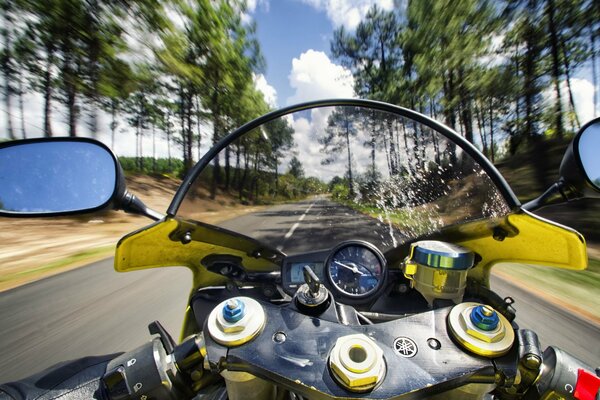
589, 145
55, 176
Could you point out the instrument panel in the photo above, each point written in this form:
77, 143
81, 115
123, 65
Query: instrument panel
354, 271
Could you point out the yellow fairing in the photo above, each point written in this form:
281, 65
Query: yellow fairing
530, 240
162, 244
520, 237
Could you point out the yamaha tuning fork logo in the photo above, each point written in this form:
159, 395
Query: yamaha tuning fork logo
405, 347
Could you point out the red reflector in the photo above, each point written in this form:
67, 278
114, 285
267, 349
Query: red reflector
587, 385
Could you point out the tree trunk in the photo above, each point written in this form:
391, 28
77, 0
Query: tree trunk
48, 92
480, 128
186, 161
236, 173
393, 153
491, 109
515, 135
168, 132
113, 123
568, 74
594, 69
137, 145
450, 116
242, 183
465, 105
70, 91
554, 50
227, 167
21, 107
72, 110
7, 71
140, 135
198, 132
189, 134
529, 88
350, 179
276, 177
153, 148
216, 178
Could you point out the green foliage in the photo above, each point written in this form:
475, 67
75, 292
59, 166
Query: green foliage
340, 191
172, 167
484, 67
296, 169
182, 66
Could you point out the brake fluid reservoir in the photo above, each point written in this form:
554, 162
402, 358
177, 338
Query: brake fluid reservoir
438, 270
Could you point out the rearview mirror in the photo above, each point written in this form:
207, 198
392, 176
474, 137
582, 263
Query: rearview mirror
579, 170
59, 176
580, 167
589, 147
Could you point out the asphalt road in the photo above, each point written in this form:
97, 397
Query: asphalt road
89, 311
94, 310
555, 326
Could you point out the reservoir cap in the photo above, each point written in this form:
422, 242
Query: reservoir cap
436, 254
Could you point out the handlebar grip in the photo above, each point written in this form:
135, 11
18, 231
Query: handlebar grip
144, 373
559, 376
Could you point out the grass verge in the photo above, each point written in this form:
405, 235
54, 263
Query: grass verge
578, 289
9, 281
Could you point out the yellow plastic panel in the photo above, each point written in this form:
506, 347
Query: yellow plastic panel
159, 245
533, 240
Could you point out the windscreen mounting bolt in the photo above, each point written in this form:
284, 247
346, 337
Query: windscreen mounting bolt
532, 361
485, 318
234, 310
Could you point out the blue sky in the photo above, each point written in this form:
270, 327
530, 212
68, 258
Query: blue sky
295, 38
286, 29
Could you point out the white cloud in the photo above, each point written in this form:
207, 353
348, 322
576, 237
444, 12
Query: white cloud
251, 6
268, 91
583, 96
314, 77
348, 12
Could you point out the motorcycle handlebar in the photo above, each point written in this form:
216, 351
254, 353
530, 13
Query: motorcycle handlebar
564, 376
154, 372
160, 371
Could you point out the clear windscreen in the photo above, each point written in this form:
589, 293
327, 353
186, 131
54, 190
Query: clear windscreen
309, 180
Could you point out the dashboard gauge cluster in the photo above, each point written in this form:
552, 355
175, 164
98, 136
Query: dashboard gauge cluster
354, 271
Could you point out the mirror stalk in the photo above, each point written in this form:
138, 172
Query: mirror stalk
558, 193
130, 203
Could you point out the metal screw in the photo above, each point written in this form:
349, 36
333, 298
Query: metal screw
487, 311
187, 238
233, 310
532, 361
279, 337
434, 343
196, 375
232, 304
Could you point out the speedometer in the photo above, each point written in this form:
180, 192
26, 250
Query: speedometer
356, 269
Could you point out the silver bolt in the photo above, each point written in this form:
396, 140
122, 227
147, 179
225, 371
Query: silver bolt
232, 304
532, 361
487, 311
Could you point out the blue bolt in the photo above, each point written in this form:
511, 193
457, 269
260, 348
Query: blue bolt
234, 310
485, 318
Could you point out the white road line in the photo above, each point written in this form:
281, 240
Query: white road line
293, 228
291, 231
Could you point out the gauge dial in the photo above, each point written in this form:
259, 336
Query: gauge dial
356, 269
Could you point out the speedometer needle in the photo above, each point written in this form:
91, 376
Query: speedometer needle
353, 269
